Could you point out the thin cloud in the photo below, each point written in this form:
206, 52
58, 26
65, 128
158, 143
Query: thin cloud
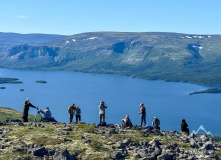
21, 16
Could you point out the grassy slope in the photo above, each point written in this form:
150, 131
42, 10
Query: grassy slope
8, 113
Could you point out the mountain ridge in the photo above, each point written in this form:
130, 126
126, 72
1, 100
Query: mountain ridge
147, 55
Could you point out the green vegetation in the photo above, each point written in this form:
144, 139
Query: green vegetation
41, 81
11, 114
212, 90
171, 57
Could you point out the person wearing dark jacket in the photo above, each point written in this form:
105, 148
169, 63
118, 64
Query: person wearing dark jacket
184, 126
26, 107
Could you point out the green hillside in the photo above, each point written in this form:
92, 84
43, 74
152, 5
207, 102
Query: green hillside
11, 114
165, 56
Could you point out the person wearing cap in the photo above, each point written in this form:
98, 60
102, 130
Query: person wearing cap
78, 114
26, 107
38, 117
71, 110
156, 123
126, 122
102, 108
143, 114
47, 114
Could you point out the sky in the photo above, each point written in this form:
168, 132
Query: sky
68, 17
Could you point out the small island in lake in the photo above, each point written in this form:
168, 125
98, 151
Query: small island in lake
2, 87
41, 81
22, 90
212, 90
9, 80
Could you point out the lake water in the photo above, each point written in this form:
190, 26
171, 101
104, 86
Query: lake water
169, 101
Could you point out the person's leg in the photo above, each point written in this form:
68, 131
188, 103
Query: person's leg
104, 117
80, 118
25, 116
76, 118
100, 118
144, 119
70, 118
141, 120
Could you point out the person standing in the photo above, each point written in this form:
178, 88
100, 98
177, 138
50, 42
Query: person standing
71, 109
102, 108
78, 114
143, 114
26, 107
156, 123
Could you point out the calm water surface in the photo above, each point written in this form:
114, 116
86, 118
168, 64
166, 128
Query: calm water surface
168, 101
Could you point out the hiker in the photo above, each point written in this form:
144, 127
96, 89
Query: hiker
47, 114
26, 107
102, 108
71, 109
78, 114
126, 122
156, 123
184, 126
143, 114
38, 117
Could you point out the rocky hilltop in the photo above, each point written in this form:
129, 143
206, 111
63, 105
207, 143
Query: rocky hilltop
166, 56
38, 141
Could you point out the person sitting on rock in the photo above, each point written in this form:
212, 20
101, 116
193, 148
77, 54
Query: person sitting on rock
38, 117
156, 123
47, 114
184, 128
126, 122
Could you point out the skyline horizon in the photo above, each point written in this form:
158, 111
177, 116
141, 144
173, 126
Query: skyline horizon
199, 17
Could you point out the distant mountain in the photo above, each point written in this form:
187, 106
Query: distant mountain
8, 40
166, 56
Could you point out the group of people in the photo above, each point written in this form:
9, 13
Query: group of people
38, 118
126, 122
75, 110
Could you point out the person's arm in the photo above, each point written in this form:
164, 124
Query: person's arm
31, 105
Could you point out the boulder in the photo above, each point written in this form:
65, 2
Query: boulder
64, 155
38, 151
116, 155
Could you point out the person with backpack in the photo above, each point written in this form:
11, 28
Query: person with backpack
77, 114
184, 126
26, 107
126, 122
47, 114
156, 123
102, 108
143, 114
38, 117
71, 110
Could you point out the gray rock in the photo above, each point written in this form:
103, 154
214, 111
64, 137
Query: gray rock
156, 152
116, 155
64, 155
164, 157
154, 143
142, 153
38, 151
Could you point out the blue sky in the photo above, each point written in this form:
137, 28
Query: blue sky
70, 17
